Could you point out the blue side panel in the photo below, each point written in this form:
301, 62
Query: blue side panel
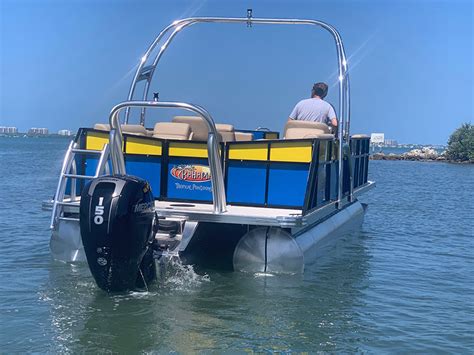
258, 135
287, 184
246, 182
189, 179
89, 168
79, 171
148, 168
91, 165
78, 187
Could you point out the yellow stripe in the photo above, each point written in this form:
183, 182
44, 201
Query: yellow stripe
195, 150
143, 146
96, 140
291, 152
250, 151
271, 135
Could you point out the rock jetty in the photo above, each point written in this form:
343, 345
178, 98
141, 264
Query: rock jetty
423, 154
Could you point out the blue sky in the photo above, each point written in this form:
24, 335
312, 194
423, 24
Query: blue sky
64, 64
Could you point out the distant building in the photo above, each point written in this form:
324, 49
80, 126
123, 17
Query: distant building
391, 142
9, 130
38, 131
65, 132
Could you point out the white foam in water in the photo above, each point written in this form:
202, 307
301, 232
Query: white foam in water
263, 274
177, 276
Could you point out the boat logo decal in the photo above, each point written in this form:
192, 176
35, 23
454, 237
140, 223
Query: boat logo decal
101, 261
144, 207
191, 173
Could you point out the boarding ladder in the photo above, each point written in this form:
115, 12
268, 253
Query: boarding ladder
68, 173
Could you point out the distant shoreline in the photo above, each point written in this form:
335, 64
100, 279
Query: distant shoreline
398, 157
26, 135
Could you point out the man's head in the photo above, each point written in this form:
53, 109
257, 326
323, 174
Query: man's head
319, 89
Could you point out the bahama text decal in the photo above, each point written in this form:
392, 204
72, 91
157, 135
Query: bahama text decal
191, 173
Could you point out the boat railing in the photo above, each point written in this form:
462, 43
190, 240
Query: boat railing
69, 177
300, 175
116, 143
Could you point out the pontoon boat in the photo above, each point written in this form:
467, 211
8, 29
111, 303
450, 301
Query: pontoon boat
211, 194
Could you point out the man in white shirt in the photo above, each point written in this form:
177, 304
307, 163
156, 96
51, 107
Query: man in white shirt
315, 109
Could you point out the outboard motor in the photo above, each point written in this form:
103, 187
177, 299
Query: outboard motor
116, 218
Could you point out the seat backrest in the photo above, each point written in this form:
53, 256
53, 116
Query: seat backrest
310, 125
300, 133
243, 136
136, 129
102, 126
224, 127
197, 124
172, 130
226, 132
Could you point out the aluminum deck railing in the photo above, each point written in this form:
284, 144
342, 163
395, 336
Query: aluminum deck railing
116, 139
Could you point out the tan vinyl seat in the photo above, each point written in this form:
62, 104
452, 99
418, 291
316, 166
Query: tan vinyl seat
172, 130
301, 133
325, 136
224, 127
226, 132
197, 124
135, 129
200, 130
243, 136
306, 124
102, 127
295, 129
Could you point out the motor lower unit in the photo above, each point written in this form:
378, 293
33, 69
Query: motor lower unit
116, 222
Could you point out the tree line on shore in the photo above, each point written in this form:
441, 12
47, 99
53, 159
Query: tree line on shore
461, 144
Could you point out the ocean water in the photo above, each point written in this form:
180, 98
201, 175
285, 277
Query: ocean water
404, 283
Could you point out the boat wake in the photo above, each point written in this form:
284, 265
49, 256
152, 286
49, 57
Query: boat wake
172, 274
263, 274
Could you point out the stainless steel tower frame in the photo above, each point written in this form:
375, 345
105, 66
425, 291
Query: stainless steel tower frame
146, 72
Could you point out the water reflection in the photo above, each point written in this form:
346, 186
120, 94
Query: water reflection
234, 311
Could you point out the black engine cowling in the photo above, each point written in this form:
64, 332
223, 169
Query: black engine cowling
116, 220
